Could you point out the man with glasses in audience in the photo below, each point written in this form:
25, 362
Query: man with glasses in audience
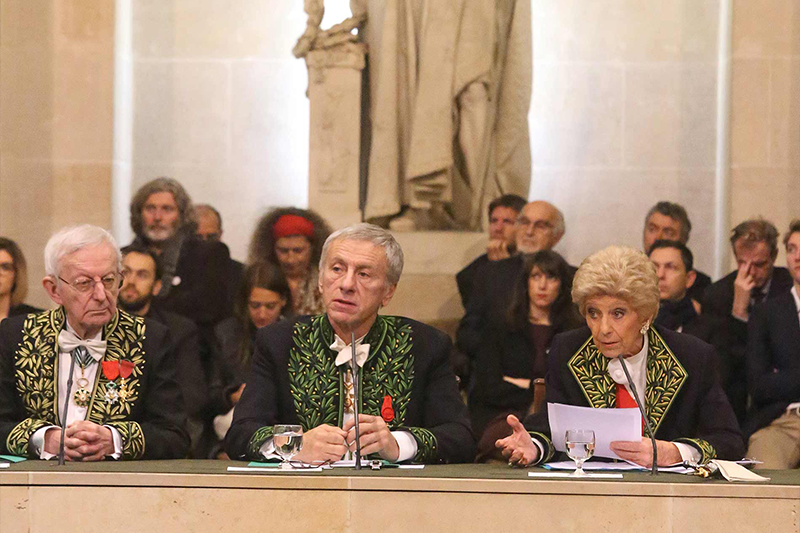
539, 226
124, 402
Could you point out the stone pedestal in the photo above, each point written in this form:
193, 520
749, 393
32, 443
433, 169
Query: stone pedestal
334, 91
427, 291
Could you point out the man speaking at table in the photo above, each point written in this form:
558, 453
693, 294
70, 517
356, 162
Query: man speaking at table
124, 402
410, 408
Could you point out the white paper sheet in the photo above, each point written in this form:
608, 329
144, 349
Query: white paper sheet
621, 466
570, 476
608, 425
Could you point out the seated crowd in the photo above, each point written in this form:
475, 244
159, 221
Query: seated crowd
168, 348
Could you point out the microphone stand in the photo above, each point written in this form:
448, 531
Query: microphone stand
66, 410
654, 468
356, 387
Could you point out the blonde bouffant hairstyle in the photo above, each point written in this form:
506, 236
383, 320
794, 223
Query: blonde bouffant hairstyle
620, 272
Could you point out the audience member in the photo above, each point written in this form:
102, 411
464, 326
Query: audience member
503, 212
125, 403
410, 407
209, 228
509, 372
292, 238
13, 281
773, 370
141, 283
669, 221
539, 226
194, 273
616, 290
755, 245
263, 298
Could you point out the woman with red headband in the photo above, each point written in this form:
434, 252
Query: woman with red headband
292, 238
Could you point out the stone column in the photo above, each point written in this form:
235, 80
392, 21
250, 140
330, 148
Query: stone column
334, 91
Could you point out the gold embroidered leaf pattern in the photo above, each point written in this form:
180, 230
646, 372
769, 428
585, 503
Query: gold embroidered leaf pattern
705, 448
19, 437
133, 442
257, 441
34, 364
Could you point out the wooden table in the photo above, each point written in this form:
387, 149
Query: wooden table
201, 496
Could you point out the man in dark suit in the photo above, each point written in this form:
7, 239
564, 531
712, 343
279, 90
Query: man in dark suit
539, 226
410, 408
773, 370
669, 221
731, 299
503, 212
125, 403
194, 273
674, 265
141, 284
209, 228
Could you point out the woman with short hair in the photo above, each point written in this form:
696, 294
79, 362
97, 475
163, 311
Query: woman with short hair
13, 280
616, 290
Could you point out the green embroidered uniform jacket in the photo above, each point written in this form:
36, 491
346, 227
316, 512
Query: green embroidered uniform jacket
150, 418
294, 380
684, 400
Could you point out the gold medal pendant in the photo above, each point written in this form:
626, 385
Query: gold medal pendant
82, 396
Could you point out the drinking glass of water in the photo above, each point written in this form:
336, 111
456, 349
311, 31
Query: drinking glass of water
580, 448
288, 441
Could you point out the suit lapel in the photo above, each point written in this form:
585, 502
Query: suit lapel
590, 369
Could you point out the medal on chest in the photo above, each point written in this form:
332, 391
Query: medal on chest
113, 370
83, 396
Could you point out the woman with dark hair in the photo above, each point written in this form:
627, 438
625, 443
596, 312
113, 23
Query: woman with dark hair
263, 298
13, 280
507, 376
292, 238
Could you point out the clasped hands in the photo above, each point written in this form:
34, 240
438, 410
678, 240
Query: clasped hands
519, 449
83, 441
330, 443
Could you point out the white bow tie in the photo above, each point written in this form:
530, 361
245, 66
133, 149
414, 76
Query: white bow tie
346, 352
68, 341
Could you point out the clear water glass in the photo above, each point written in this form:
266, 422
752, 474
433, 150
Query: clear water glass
288, 441
580, 448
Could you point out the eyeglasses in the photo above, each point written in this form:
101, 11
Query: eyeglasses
110, 282
540, 225
8, 268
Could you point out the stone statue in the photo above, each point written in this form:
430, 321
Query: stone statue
449, 94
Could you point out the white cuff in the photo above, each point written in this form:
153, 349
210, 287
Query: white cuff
540, 446
268, 450
688, 452
37, 440
406, 445
117, 443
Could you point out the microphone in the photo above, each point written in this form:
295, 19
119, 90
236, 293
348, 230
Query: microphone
354, 367
654, 468
66, 410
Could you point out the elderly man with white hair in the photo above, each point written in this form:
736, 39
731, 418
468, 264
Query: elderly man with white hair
409, 406
124, 402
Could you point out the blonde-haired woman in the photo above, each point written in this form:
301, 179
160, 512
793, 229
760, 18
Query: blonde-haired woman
616, 290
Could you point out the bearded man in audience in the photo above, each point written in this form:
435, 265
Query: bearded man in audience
194, 273
733, 298
410, 408
141, 284
125, 403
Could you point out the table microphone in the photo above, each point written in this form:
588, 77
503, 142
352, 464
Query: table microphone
654, 469
66, 409
354, 367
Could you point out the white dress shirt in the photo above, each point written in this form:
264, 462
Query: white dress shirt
795, 405
75, 412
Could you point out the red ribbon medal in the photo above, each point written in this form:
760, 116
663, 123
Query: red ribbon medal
387, 413
125, 368
110, 370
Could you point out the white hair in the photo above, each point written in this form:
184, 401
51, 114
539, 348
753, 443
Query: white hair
72, 239
377, 236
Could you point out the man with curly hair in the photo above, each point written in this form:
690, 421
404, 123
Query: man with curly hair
194, 273
408, 403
